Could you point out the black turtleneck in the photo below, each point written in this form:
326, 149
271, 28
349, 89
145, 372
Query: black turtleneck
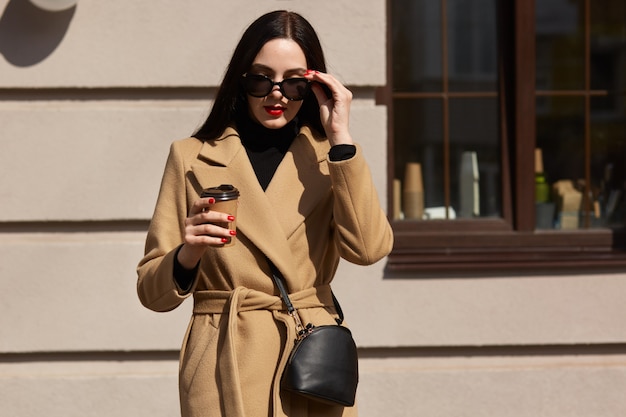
265, 147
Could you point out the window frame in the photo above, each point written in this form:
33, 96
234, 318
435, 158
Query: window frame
510, 242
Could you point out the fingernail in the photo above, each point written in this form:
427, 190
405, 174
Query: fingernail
308, 72
231, 218
224, 240
232, 232
211, 200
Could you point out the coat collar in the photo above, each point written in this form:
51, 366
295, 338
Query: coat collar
268, 219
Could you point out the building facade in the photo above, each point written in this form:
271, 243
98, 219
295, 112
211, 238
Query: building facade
496, 133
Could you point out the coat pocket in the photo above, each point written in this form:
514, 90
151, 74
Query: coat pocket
201, 336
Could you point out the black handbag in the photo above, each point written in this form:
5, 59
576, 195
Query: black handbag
323, 365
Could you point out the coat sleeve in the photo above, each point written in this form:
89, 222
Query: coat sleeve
156, 287
363, 234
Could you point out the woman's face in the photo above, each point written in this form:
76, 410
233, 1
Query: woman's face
278, 59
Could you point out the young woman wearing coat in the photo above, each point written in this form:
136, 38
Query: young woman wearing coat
278, 131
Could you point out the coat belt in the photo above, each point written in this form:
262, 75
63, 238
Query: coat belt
243, 299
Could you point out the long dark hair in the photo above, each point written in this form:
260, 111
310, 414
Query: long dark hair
231, 99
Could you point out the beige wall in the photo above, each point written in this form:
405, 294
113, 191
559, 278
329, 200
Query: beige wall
89, 101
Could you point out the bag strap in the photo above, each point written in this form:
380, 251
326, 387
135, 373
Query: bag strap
284, 294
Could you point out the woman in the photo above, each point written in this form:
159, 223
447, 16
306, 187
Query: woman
278, 131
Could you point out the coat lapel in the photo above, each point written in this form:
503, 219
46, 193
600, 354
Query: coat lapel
300, 181
268, 218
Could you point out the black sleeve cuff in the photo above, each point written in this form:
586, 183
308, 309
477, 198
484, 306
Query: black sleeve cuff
341, 152
184, 277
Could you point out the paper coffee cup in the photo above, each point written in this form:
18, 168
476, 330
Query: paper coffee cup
226, 198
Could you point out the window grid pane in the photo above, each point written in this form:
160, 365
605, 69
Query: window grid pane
444, 96
581, 114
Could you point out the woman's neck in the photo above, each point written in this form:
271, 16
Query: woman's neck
257, 138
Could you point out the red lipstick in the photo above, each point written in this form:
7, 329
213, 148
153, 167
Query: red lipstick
274, 110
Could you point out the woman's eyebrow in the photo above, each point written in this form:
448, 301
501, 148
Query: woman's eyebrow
268, 70
261, 68
298, 71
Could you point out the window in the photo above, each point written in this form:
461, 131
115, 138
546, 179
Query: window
507, 133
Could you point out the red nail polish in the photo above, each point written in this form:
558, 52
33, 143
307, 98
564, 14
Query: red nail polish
232, 232
211, 200
231, 218
224, 240
308, 72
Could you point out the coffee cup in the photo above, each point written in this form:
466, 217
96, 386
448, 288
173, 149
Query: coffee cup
226, 199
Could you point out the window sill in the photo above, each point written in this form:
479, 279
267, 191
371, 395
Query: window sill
451, 246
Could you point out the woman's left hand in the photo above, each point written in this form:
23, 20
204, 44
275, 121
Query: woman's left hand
334, 110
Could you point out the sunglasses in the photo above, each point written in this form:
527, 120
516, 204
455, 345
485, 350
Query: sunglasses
257, 85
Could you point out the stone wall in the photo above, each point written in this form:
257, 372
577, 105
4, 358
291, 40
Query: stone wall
90, 99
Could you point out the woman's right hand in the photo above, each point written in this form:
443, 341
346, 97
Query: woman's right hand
202, 230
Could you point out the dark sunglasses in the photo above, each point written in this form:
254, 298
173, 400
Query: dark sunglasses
294, 89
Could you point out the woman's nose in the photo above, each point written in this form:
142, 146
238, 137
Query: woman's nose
276, 88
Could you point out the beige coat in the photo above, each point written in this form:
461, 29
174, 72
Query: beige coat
313, 212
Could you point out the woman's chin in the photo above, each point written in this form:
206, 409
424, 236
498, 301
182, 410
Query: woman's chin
275, 123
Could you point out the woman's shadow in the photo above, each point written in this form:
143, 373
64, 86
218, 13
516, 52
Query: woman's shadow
28, 34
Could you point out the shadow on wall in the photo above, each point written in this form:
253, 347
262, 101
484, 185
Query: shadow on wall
28, 34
